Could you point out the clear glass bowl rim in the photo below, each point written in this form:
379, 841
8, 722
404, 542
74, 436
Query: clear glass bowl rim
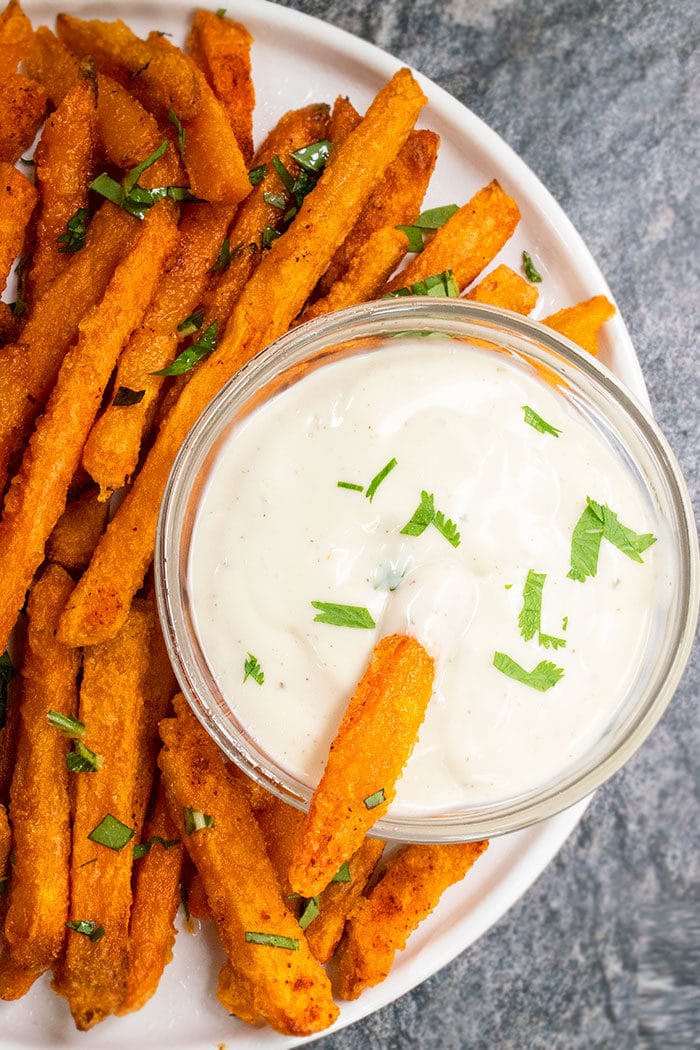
462, 319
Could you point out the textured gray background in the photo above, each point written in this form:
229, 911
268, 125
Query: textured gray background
601, 100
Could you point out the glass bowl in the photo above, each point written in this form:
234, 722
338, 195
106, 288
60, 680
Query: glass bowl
618, 419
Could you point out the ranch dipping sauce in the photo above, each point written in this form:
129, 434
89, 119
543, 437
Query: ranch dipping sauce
439, 492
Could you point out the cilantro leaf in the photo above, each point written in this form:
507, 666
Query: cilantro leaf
82, 760
195, 820
542, 677
68, 724
442, 284
256, 175
110, 832
379, 478
314, 157
125, 397
311, 911
253, 670
343, 873
272, 940
532, 418
530, 270
142, 848
181, 133
74, 237
343, 615
447, 528
372, 801
133, 198
531, 613
189, 357
432, 219
598, 522
423, 516
87, 927
191, 324
350, 485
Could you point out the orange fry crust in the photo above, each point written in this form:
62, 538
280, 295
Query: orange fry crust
17, 200
388, 704
15, 37
582, 323
505, 288
77, 531
241, 887
22, 108
413, 881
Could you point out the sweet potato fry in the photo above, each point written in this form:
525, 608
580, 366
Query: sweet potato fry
9, 327
221, 49
64, 161
395, 202
236, 995
15, 38
413, 881
339, 900
92, 973
126, 131
77, 531
212, 156
365, 277
17, 201
272, 298
467, 242
112, 449
40, 803
22, 108
36, 498
240, 883
344, 119
280, 824
197, 899
296, 129
28, 369
156, 900
582, 323
505, 288
359, 781
160, 79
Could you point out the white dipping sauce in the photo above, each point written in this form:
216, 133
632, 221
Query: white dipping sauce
274, 533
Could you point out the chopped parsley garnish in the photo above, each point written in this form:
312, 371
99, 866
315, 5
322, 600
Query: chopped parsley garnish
425, 515
189, 357
343, 615
372, 801
565, 623
350, 485
7, 673
69, 725
191, 324
536, 421
276, 200
133, 198
379, 478
432, 219
87, 927
314, 157
311, 160
268, 235
252, 669
82, 760
195, 820
598, 522
542, 677
343, 873
76, 228
181, 133
442, 284
125, 397
530, 270
19, 306
272, 940
223, 259
86, 863
310, 912
530, 618
142, 848
111, 833
256, 175
221, 12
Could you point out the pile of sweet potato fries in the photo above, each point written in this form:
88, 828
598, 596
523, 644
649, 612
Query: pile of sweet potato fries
156, 252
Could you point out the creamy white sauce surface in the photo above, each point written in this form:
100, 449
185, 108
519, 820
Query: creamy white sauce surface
274, 533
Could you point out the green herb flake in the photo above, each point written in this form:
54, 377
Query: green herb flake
422, 517
440, 284
195, 820
343, 873
277, 200
82, 760
314, 157
565, 623
598, 522
252, 669
542, 677
69, 725
256, 175
7, 673
19, 306
191, 324
189, 357
125, 397
343, 615
181, 133
507, 586
372, 801
530, 270
131, 197
447, 528
532, 418
311, 911
379, 478
142, 848
111, 833
350, 485
432, 219
221, 12
272, 940
223, 259
74, 237
87, 927
530, 618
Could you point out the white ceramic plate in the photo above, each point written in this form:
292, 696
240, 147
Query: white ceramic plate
297, 60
